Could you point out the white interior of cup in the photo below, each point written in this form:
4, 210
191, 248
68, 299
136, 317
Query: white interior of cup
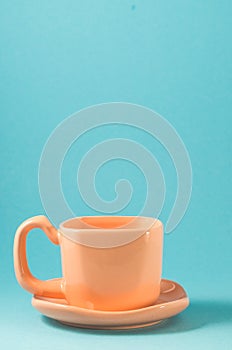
106, 231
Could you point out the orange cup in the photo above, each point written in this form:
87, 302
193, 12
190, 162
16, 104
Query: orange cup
108, 263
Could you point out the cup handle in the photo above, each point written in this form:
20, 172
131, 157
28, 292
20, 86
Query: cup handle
24, 276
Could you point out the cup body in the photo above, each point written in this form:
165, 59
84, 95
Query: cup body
102, 276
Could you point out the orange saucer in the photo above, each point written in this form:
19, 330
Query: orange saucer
172, 300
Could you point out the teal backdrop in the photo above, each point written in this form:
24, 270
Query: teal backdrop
171, 56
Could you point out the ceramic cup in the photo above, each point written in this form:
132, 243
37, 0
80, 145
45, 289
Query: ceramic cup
108, 263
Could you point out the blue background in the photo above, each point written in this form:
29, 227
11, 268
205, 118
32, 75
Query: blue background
171, 56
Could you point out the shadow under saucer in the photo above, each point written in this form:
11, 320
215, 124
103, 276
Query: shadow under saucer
199, 314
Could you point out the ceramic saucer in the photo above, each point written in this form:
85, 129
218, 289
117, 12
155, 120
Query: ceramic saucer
172, 300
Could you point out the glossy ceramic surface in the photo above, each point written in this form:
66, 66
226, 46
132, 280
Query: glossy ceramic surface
125, 274
172, 300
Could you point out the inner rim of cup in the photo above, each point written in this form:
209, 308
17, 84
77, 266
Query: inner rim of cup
108, 222
106, 231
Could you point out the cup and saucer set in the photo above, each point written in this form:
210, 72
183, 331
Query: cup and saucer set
111, 273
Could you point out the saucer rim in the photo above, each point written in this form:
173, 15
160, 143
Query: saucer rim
73, 308
111, 320
114, 327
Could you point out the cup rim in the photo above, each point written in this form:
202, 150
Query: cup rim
108, 237
127, 226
